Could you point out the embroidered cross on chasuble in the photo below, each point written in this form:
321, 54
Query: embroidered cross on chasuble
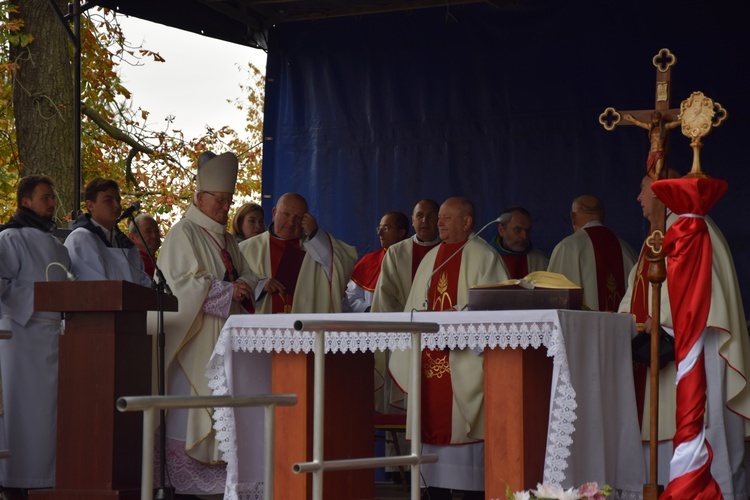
437, 386
286, 262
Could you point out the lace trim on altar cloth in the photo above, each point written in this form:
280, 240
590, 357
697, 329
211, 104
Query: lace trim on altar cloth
450, 336
187, 475
559, 436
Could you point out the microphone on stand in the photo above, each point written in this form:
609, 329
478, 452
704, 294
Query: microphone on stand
128, 211
503, 219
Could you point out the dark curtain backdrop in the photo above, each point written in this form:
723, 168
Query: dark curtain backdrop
369, 114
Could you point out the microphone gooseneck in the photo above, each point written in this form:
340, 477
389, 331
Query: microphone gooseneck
503, 219
68, 275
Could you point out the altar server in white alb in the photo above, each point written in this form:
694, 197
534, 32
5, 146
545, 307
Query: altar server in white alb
29, 359
727, 362
203, 267
452, 380
593, 257
311, 265
98, 249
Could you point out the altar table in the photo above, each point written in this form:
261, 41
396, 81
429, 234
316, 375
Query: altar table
592, 431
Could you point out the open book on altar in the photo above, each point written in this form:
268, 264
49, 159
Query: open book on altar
537, 290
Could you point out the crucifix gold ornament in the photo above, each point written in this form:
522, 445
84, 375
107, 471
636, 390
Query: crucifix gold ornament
698, 115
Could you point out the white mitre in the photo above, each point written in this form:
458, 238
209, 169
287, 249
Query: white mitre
217, 173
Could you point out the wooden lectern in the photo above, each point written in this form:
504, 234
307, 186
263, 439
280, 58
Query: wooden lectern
105, 353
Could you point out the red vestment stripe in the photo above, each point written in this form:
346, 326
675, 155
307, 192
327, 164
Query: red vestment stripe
610, 273
517, 264
367, 270
437, 385
282, 302
417, 254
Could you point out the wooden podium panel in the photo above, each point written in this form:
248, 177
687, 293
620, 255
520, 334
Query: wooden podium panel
349, 433
104, 354
517, 387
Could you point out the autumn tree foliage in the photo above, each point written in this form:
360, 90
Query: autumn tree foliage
154, 166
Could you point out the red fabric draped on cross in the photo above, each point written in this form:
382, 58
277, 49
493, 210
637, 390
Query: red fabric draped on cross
687, 246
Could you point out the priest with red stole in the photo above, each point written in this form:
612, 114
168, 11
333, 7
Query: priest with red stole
393, 227
311, 267
593, 257
402, 259
513, 243
452, 380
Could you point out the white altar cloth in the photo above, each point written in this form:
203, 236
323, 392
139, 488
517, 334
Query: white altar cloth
593, 430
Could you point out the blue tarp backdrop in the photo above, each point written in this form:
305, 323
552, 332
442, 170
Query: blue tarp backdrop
370, 114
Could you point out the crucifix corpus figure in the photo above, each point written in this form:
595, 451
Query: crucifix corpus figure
657, 128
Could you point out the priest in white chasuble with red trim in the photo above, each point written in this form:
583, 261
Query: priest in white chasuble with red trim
593, 257
452, 380
309, 265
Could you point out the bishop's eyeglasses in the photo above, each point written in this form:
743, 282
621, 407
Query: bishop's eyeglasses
221, 200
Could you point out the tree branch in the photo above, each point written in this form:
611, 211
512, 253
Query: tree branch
115, 132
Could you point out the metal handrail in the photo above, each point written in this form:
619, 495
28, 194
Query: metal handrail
318, 465
149, 404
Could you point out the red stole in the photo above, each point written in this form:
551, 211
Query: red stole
639, 301
367, 270
610, 276
148, 266
417, 254
286, 261
517, 264
437, 387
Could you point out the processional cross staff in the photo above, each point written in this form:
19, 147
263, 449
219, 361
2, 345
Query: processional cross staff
696, 115
658, 122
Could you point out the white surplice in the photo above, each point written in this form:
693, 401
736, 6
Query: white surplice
28, 361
